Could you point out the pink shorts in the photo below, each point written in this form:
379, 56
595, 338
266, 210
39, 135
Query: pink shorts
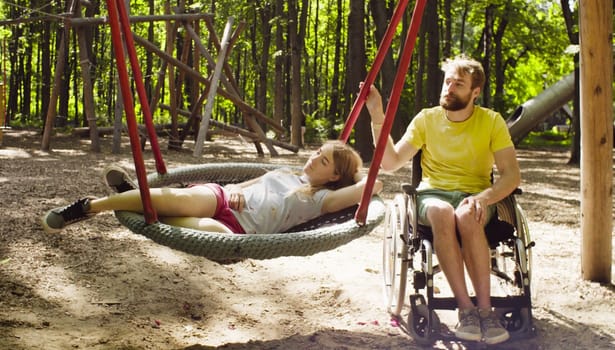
223, 213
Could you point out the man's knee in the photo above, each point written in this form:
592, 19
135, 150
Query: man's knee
440, 212
467, 225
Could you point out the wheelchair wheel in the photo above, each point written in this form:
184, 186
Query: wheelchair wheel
523, 232
516, 320
394, 255
423, 325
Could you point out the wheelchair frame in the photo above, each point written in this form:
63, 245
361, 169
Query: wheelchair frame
404, 239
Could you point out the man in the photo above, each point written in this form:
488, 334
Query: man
460, 143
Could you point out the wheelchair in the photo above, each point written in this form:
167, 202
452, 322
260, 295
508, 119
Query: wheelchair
409, 262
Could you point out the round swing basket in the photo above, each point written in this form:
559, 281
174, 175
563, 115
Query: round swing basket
321, 234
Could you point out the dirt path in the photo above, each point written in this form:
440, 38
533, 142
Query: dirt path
99, 286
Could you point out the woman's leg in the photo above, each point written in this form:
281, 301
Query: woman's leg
197, 201
202, 224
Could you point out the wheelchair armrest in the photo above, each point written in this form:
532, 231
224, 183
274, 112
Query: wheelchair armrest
408, 189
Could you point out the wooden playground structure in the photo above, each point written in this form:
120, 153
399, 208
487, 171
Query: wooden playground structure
220, 81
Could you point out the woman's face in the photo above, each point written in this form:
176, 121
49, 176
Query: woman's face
320, 168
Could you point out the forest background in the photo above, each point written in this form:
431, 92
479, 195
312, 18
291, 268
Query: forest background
296, 61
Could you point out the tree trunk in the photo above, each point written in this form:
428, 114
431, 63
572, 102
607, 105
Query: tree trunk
296, 38
355, 73
149, 56
486, 42
265, 11
464, 18
64, 83
26, 96
278, 98
573, 35
334, 108
434, 73
387, 72
45, 68
500, 68
448, 29
419, 79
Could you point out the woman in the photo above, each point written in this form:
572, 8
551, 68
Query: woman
330, 181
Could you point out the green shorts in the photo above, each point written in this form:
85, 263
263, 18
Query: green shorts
427, 197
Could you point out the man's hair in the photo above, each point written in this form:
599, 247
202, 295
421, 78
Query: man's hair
463, 65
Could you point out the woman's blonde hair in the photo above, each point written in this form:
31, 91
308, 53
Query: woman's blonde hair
347, 163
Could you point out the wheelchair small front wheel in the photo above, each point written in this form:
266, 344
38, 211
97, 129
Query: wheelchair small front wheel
517, 321
423, 325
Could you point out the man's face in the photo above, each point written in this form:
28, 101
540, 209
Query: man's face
457, 91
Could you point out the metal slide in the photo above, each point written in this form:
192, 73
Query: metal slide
538, 109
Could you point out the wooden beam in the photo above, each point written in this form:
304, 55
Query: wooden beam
75, 22
243, 106
596, 79
254, 136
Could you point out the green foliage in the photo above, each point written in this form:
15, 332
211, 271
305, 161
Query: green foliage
547, 139
317, 130
534, 48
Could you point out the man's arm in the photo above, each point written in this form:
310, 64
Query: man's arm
509, 177
395, 155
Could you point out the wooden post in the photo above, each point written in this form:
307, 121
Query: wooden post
88, 89
53, 99
596, 73
198, 147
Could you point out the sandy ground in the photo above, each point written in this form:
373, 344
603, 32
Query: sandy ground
99, 286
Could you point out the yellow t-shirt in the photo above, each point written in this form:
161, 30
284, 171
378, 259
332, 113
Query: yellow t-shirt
458, 156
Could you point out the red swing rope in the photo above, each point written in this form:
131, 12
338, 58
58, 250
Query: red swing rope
118, 16
393, 103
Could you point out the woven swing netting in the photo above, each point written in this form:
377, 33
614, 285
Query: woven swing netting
323, 233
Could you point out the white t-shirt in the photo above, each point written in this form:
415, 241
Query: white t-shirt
273, 204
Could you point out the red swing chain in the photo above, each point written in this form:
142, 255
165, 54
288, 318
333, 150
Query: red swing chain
393, 103
118, 15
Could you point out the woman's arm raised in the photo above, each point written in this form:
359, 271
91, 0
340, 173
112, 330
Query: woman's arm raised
347, 196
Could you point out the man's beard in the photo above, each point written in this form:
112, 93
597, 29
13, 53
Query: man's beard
455, 103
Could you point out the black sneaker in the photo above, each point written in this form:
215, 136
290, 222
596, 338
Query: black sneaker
56, 219
117, 179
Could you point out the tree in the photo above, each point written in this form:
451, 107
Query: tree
296, 33
279, 63
381, 15
334, 104
570, 18
355, 73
